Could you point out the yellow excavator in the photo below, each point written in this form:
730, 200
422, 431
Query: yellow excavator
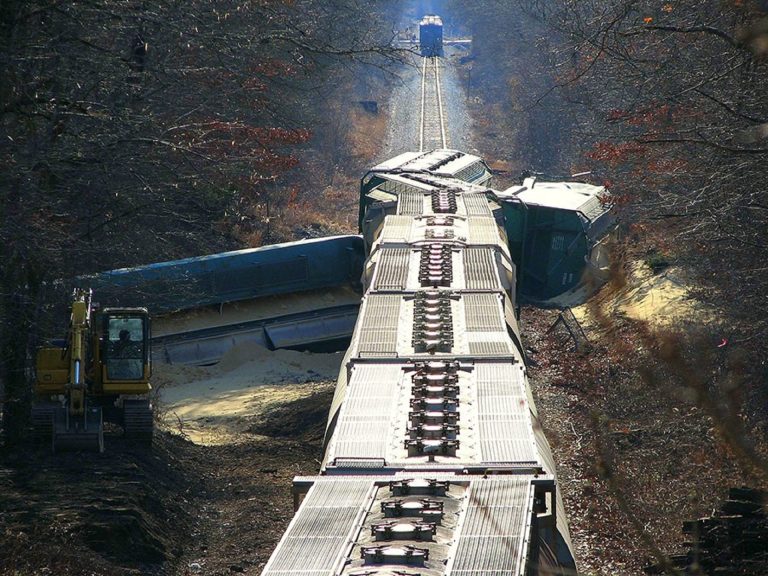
100, 373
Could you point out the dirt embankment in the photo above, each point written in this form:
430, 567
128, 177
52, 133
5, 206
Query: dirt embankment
632, 419
122, 512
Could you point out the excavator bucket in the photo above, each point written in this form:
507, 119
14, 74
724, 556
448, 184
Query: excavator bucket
78, 433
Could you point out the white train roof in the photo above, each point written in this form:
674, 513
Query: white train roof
432, 19
487, 414
443, 161
438, 266
394, 326
467, 525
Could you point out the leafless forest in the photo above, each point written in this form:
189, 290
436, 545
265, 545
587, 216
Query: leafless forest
134, 132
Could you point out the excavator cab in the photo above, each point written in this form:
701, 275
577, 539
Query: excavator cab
125, 362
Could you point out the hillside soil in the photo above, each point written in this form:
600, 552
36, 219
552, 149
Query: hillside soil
638, 446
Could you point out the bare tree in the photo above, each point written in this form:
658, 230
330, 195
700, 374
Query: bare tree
132, 132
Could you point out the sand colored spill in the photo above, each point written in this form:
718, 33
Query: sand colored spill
660, 299
215, 405
251, 310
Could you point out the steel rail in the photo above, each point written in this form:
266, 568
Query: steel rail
423, 100
439, 90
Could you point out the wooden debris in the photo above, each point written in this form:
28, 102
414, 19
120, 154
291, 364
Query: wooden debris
732, 542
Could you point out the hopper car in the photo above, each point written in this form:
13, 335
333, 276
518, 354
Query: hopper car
434, 462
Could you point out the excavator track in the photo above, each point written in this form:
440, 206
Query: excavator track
42, 421
138, 420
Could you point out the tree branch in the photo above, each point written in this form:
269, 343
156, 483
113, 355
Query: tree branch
691, 30
702, 142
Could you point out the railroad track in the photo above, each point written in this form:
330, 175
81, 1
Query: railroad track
432, 133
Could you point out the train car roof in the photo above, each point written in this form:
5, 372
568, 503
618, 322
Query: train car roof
431, 19
396, 162
485, 527
276, 248
230, 276
472, 268
496, 427
572, 196
440, 161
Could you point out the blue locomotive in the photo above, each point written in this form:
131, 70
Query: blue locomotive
431, 35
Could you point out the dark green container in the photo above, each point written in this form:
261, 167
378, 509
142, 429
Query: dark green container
553, 229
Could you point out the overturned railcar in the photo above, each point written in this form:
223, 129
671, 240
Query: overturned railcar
559, 233
431, 35
319, 263
435, 463
301, 295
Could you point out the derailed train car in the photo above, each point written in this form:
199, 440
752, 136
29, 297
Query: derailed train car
435, 463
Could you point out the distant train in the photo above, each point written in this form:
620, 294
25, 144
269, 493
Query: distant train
431, 35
